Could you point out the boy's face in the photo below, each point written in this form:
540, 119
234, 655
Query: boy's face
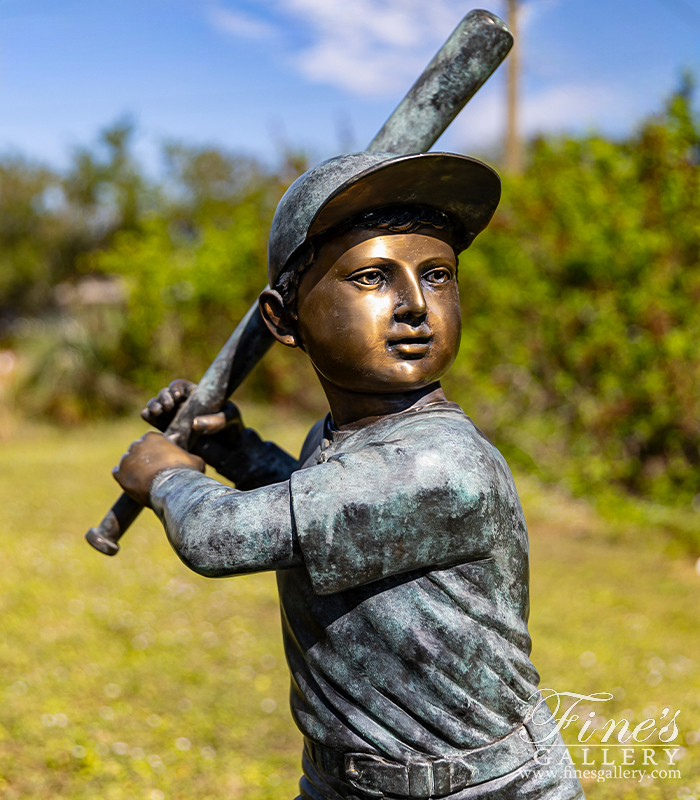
379, 312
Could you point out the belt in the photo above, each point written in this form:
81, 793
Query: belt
425, 778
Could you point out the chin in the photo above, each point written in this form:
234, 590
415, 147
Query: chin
402, 383
386, 375
412, 374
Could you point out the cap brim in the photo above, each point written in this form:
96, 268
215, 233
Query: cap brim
464, 188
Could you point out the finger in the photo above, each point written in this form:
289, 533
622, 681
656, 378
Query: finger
181, 388
228, 417
117, 469
157, 420
116, 474
154, 407
166, 399
210, 423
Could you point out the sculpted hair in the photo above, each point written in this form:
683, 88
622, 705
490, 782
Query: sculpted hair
395, 219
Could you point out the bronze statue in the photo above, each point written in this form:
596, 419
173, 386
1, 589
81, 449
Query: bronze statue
397, 537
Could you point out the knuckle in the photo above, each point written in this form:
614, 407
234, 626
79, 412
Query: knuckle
180, 387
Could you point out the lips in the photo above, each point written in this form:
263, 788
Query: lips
414, 345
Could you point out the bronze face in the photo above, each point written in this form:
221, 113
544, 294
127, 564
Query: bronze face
379, 312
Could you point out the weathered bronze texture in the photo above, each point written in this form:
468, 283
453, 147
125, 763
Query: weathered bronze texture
398, 540
397, 537
343, 186
378, 315
468, 58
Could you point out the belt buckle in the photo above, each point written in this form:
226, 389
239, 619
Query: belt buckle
421, 779
375, 776
355, 774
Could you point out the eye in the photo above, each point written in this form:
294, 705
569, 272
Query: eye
370, 277
438, 275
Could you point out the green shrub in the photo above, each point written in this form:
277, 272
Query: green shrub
579, 355
580, 347
66, 370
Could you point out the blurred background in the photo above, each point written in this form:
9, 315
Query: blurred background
143, 149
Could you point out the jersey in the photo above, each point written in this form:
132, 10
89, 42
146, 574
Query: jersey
405, 628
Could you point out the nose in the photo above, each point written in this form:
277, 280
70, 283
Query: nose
411, 305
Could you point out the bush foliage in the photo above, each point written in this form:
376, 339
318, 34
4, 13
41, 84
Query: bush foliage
579, 354
580, 346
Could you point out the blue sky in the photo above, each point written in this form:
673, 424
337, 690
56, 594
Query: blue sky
253, 75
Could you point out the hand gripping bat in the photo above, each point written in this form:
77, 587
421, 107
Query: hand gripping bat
472, 53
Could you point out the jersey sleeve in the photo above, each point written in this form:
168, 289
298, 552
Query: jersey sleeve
423, 499
219, 531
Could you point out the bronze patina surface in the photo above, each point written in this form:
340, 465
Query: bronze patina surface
378, 315
474, 50
344, 186
397, 536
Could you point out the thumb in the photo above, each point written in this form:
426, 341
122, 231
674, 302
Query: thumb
209, 423
229, 416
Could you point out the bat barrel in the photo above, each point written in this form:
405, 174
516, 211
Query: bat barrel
476, 47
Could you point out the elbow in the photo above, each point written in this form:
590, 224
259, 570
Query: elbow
218, 553
190, 557
201, 566
190, 545
204, 555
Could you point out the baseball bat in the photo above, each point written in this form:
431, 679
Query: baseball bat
472, 53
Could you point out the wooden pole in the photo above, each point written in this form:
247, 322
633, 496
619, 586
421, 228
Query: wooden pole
513, 143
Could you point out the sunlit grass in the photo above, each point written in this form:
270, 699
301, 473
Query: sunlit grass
132, 677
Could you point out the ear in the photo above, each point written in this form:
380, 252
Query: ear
278, 319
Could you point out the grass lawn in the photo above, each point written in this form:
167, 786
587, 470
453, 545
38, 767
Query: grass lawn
132, 677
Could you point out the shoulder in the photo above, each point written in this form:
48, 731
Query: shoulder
443, 428
447, 447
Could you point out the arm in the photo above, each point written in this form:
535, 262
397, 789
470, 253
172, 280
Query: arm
214, 529
219, 531
357, 519
393, 507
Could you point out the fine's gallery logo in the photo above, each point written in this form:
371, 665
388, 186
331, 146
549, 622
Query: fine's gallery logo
599, 747
664, 729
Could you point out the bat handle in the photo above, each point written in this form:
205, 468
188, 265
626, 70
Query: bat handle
115, 523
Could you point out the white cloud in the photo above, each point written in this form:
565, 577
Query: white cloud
238, 23
366, 47
379, 47
371, 47
374, 47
